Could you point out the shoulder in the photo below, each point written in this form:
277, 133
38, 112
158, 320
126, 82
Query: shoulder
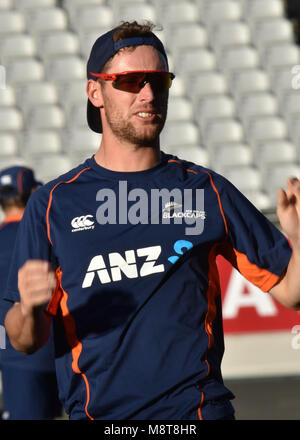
192, 168
44, 192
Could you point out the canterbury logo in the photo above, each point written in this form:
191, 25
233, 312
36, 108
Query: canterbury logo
82, 223
120, 265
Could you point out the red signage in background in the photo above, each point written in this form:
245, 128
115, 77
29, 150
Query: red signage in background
247, 309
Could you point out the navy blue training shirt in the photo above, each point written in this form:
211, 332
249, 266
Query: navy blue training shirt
137, 311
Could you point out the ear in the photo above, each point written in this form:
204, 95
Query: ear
94, 92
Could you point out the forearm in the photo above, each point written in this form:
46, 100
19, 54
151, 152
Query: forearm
27, 330
287, 291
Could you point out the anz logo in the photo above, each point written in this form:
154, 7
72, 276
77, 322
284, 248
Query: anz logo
126, 266
119, 266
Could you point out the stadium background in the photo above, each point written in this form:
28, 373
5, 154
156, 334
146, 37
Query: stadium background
234, 106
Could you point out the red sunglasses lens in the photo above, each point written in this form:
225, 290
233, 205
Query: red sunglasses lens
135, 81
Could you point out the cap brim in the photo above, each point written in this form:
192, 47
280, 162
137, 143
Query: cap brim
93, 117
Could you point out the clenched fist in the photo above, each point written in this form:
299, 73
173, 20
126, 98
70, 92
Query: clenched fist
36, 282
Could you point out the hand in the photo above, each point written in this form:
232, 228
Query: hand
36, 282
288, 210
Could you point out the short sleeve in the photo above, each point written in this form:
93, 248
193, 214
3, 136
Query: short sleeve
31, 242
254, 246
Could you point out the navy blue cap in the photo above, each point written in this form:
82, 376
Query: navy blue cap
105, 48
17, 180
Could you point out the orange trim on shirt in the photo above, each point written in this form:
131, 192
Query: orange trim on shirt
200, 407
219, 200
212, 291
262, 278
13, 218
74, 343
51, 197
53, 304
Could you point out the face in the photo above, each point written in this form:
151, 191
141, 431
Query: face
136, 118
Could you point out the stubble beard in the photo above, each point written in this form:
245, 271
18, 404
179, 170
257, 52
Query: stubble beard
126, 131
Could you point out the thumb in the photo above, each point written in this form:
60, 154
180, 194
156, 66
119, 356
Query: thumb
282, 199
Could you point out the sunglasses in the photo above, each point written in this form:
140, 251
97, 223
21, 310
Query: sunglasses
134, 81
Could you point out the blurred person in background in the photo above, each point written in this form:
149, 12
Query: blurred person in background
135, 301
29, 387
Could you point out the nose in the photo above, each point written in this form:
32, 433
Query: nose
146, 92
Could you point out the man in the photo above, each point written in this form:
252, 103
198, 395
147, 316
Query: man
28, 382
137, 306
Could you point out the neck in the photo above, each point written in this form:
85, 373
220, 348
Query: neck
14, 211
126, 157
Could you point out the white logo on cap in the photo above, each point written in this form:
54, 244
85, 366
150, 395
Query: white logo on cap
6, 179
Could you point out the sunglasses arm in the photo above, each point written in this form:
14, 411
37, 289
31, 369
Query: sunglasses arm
105, 76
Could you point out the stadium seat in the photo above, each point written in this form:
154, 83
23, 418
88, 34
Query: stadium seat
179, 133
40, 142
71, 4
81, 140
57, 43
272, 31
17, 46
9, 144
199, 85
259, 199
45, 117
193, 153
266, 128
283, 81
179, 108
24, 71
177, 88
234, 59
7, 96
62, 68
213, 107
27, 4
185, 35
10, 161
51, 166
247, 82
6, 4
76, 115
232, 33
72, 92
223, 131
87, 38
245, 178
139, 11
274, 152
11, 21
35, 93
255, 105
11, 119
230, 155
39, 20
194, 60
92, 17
177, 11
216, 11
255, 10
282, 54
275, 177
290, 104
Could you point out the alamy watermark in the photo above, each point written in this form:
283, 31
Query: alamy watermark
157, 206
2, 337
295, 71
